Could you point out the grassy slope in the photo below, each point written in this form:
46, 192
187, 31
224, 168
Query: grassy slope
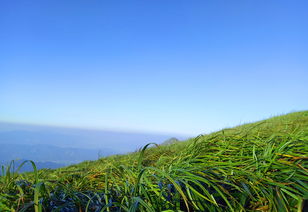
259, 166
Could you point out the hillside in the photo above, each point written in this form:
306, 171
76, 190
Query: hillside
259, 166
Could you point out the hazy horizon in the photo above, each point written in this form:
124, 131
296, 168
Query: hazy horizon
85, 128
116, 130
52, 147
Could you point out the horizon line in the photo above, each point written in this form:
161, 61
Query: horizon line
119, 130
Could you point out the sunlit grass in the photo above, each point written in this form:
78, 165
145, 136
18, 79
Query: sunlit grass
254, 167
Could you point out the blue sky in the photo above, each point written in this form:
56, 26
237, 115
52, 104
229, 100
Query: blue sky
186, 67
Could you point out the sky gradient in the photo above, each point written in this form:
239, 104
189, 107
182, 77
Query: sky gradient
186, 67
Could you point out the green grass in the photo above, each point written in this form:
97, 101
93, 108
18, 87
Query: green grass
260, 166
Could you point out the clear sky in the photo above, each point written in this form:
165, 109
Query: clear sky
175, 66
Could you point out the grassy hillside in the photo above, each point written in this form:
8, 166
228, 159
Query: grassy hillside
253, 167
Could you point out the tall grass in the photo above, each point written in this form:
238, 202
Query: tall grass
254, 167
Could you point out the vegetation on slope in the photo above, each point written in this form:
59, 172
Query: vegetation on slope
254, 167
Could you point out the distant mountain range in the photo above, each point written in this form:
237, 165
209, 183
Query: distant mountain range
48, 153
27, 166
51, 147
